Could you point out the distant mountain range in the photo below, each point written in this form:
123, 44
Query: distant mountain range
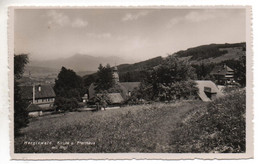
86, 64
78, 62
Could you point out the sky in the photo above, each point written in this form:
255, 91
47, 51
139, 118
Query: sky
134, 34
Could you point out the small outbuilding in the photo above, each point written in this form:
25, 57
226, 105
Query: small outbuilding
34, 110
208, 90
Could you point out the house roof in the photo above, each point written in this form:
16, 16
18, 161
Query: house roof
221, 70
46, 92
33, 108
201, 84
115, 98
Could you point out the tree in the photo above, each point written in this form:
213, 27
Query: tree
104, 78
161, 81
203, 70
68, 86
20, 113
240, 71
19, 63
65, 104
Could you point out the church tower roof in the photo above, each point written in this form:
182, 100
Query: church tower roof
115, 74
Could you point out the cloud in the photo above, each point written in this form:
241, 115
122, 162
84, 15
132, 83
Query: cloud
59, 19
131, 16
122, 37
195, 17
173, 22
79, 23
199, 16
99, 36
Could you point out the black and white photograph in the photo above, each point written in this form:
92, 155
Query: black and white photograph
146, 80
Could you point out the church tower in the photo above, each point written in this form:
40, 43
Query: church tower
115, 74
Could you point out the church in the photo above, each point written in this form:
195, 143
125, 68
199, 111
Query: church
118, 97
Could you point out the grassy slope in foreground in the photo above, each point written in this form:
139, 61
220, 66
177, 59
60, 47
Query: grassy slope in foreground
218, 127
180, 127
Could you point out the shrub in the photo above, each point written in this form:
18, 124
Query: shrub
218, 128
169, 81
178, 90
65, 104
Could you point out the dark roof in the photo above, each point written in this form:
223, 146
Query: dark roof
221, 70
114, 98
46, 92
125, 87
24, 79
33, 108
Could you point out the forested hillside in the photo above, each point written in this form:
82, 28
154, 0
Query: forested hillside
140, 65
203, 59
213, 51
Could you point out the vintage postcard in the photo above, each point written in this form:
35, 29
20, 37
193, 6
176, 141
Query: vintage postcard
131, 82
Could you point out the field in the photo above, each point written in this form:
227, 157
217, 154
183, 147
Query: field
183, 126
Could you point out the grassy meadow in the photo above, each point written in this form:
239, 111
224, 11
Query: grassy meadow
183, 126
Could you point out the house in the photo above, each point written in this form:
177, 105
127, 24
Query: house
42, 96
208, 90
126, 88
223, 75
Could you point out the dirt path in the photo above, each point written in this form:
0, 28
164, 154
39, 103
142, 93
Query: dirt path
167, 124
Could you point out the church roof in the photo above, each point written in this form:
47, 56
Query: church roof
124, 86
115, 68
115, 98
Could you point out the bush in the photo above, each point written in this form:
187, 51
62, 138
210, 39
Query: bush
178, 90
169, 81
220, 127
21, 118
65, 104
